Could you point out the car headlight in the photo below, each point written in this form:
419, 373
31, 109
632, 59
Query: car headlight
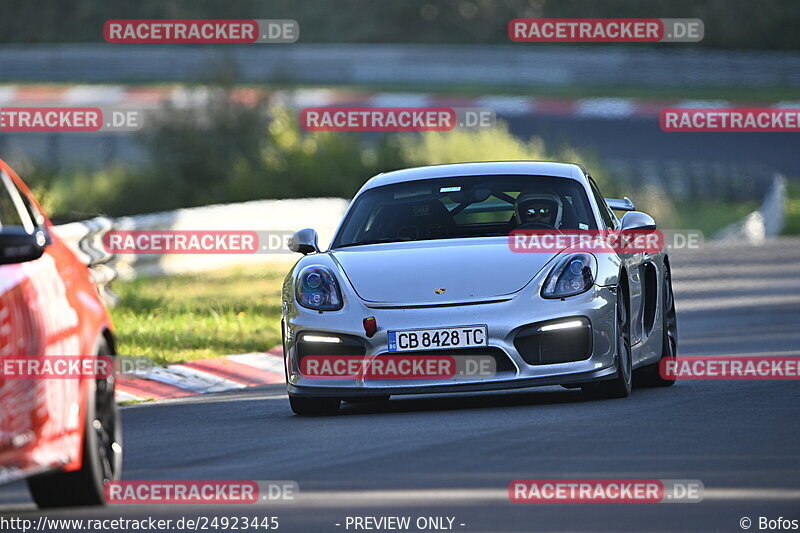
317, 289
572, 275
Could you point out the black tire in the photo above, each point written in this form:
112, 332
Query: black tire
102, 452
620, 385
314, 406
650, 375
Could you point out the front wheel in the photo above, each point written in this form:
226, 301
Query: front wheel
620, 385
314, 406
102, 452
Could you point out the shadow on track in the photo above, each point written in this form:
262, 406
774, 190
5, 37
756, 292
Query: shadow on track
493, 400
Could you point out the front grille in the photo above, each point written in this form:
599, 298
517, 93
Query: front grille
538, 347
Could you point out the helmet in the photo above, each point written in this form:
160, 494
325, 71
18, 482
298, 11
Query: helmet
542, 207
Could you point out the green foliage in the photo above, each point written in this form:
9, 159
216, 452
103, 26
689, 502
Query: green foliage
185, 317
232, 152
496, 144
792, 223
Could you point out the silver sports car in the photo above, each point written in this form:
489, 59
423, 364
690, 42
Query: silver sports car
422, 268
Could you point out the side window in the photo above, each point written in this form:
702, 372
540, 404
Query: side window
13, 213
33, 212
605, 213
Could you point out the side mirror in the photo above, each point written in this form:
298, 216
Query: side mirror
637, 220
18, 246
304, 241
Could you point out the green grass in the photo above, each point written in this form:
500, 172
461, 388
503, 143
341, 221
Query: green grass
792, 223
709, 217
127, 403
186, 317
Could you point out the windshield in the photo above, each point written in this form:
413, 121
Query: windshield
472, 206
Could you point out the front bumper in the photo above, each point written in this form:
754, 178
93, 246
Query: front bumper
505, 321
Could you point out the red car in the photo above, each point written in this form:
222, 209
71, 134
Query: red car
63, 435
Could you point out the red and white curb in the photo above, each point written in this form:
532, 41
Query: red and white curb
152, 97
204, 376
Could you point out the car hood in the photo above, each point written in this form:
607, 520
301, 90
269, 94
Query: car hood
408, 273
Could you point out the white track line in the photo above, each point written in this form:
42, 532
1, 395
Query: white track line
605, 107
122, 396
506, 105
400, 100
210, 382
201, 382
165, 375
729, 302
94, 95
266, 362
703, 104
7, 95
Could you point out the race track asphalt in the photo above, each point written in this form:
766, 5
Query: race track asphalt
455, 456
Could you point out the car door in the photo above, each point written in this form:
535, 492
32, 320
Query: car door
632, 262
19, 336
39, 418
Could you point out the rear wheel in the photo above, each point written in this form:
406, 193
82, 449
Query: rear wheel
102, 452
650, 375
314, 406
620, 385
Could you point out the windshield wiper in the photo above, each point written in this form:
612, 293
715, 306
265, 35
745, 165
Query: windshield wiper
373, 241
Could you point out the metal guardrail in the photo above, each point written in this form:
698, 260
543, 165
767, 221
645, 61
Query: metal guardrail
323, 214
765, 222
85, 239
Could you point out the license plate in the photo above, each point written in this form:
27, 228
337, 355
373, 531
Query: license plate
438, 339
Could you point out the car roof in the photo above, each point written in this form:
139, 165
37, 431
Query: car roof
532, 168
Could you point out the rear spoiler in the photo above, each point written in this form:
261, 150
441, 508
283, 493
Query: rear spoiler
620, 205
